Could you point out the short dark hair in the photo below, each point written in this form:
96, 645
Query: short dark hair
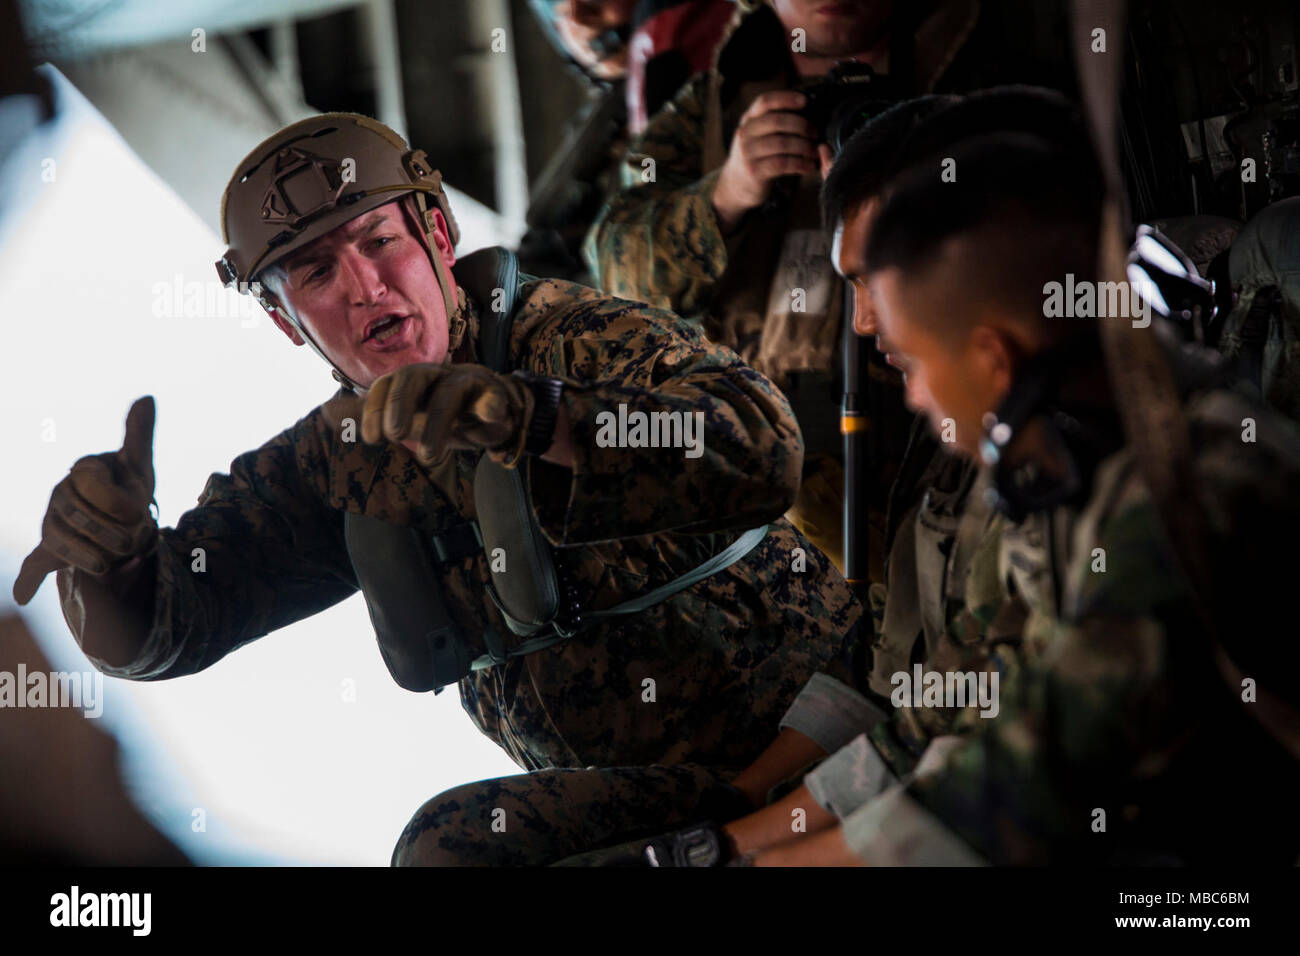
1035, 110
917, 129
1032, 203
864, 162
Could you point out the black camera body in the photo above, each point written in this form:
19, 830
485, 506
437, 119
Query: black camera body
841, 102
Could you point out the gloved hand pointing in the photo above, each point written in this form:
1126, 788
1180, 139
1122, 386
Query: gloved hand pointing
436, 409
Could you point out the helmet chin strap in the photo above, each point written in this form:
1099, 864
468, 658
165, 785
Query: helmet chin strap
416, 207
426, 225
270, 301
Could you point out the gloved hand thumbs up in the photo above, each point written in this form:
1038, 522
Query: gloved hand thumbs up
99, 514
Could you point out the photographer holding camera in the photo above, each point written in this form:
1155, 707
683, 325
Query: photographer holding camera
718, 216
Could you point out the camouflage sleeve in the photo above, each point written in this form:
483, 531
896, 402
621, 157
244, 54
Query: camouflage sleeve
657, 240
1123, 679
850, 777
831, 713
1025, 789
260, 551
670, 432
894, 830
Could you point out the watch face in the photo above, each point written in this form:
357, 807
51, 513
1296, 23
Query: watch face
698, 847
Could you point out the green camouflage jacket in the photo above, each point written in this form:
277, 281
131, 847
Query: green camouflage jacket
768, 290
658, 239
1122, 741
725, 656
942, 605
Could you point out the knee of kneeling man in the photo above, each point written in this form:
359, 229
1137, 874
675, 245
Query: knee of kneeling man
445, 831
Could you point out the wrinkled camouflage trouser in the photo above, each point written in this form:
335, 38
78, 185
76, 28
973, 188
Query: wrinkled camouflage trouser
539, 818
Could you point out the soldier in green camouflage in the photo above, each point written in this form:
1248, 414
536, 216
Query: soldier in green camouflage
755, 272
718, 215
1110, 746
361, 270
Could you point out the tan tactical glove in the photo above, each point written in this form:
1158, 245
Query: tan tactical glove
437, 409
99, 515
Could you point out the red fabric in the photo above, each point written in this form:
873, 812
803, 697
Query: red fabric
693, 28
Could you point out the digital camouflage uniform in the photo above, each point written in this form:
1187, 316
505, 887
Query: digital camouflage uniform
941, 606
726, 655
539, 818
1120, 708
659, 240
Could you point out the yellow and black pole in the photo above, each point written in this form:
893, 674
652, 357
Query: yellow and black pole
856, 432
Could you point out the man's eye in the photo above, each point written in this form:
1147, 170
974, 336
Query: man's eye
315, 273
383, 240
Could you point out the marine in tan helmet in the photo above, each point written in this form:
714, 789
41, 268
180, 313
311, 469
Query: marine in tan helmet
302, 184
607, 596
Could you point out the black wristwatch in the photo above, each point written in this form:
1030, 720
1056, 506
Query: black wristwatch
546, 408
699, 845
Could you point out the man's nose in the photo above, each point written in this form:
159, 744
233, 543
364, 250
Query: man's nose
362, 282
864, 316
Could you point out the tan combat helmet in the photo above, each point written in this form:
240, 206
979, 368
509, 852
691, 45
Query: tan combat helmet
312, 177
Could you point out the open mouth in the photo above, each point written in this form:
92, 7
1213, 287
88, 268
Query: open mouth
384, 328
